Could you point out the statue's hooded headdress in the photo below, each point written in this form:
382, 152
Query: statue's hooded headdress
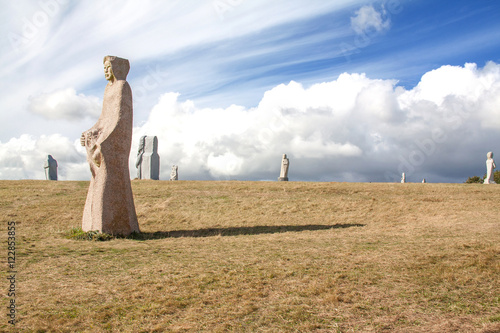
119, 66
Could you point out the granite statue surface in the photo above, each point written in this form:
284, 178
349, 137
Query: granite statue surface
490, 165
285, 163
50, 166
109, 207
148, 160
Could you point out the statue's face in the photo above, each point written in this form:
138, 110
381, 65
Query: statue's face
108, 71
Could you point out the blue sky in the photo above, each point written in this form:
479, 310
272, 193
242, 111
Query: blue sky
351, 90
423, 36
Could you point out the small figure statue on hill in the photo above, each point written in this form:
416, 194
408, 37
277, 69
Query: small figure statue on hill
490, 165
284, 169
50, 166
174, 175
140, 152
403, 178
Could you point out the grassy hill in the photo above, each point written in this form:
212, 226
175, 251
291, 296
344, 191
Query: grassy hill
259, 256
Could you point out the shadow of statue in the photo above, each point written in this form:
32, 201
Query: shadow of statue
236, 231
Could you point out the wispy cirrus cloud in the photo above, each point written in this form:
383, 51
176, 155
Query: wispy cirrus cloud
149, 34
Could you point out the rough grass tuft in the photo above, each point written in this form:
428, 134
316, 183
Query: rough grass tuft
93, 235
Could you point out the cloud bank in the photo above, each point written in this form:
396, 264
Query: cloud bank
354, 128
23, 157
65, 104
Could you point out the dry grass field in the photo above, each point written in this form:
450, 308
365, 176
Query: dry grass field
259, 257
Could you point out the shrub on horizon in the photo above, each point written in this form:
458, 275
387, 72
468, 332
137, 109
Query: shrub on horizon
478, 180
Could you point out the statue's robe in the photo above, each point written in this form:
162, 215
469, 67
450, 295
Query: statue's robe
109, 207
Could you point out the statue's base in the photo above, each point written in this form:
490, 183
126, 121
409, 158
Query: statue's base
283, 179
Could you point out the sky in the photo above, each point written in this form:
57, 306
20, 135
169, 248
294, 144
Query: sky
350, 90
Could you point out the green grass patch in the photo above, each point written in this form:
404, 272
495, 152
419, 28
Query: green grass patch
93, 235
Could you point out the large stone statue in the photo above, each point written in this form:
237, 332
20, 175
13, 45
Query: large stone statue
403, 178
174, 174
50, 166
140, 152
284, 169
490, 165
110, 205
148, 160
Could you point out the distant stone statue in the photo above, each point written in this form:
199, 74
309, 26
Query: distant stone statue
109, 207
284, 169
174, 175
403, 178
148, 160
140, 152
50, 166
424, 181
490, 165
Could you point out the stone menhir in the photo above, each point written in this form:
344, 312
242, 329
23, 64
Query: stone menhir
284, 169
50, 166
148, 160
490, 165
140, 152
174, 175
403, 178
109, 207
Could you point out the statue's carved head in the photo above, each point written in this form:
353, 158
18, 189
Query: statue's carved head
115, 68
489, 155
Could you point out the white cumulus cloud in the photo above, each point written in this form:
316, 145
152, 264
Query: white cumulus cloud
351, 128
65, 104
354, 128
24, 157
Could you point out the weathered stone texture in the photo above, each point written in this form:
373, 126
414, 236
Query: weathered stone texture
109, 207
50, 166
284, 168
